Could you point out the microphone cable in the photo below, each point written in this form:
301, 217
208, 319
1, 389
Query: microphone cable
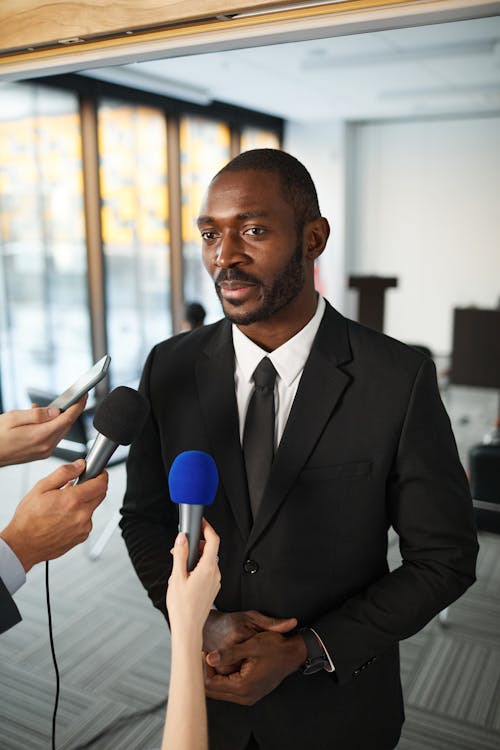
54, 658
118, 419
117, 723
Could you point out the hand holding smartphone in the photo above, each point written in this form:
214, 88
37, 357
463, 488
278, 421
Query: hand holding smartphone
84, 383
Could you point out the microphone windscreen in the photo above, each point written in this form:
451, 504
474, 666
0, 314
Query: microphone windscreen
121, 415
193, 478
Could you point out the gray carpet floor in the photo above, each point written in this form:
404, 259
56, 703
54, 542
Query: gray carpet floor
113, 648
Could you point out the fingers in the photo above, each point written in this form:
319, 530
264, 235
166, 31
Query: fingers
180, 552
276, 624
41, 414
231, 655
93, 491
207, 669
35, 415
208, 530
74, 411
212, 541
231, 687
61, 476
283, 626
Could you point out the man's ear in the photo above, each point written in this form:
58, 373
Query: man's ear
315, 237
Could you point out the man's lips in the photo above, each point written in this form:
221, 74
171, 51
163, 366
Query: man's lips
230, 285
235, 290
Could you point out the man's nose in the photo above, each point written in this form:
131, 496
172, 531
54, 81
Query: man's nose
230, 251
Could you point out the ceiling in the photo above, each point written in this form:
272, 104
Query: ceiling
428, 70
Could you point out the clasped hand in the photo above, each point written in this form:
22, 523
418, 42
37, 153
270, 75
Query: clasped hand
248, 655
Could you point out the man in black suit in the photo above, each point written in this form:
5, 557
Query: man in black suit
302, 648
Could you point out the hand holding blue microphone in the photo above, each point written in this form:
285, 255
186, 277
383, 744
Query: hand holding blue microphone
193, 480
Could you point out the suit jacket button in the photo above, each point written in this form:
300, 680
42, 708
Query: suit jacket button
250, 566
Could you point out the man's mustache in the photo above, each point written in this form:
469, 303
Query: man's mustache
233, 274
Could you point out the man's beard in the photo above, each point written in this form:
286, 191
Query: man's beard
283, 290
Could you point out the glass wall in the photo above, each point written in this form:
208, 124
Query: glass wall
204, 149
252, 137
44, 319
46, 302
134, 218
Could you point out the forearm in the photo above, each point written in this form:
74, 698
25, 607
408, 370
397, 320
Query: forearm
393, 608
427, 501
186, 718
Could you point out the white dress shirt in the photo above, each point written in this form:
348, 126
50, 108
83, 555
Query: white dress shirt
12, 572
289, 360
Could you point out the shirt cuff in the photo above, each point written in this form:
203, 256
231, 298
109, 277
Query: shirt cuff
12, 572
330, 667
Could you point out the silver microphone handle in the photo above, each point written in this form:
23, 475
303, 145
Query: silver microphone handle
190, 523
97, 458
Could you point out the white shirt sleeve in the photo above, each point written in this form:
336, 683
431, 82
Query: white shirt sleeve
331, 667
12, 572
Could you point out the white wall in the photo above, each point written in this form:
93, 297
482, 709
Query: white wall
321, 148
426, 208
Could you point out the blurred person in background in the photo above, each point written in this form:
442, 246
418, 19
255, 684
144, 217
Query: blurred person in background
194, 316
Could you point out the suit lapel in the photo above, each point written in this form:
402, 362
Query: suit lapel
215, 382
321, 386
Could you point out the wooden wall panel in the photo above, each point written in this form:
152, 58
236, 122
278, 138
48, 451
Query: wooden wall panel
174, 30
25, 23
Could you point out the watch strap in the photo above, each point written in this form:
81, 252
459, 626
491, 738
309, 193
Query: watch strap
316, 657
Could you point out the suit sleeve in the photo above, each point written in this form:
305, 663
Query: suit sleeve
149, 521
429, 506
9, 613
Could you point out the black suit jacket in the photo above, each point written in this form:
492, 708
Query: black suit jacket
368, 445
9, 613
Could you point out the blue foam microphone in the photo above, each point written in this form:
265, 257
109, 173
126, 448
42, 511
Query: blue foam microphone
192, 480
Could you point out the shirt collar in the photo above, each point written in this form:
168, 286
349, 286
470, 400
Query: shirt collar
289, 359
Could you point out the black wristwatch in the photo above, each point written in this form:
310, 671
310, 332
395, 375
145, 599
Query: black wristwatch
316, 657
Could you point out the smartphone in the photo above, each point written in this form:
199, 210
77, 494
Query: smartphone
84, 383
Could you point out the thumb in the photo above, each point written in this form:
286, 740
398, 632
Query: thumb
180, 552
231, 655
275, 624
61, 476
39, 414
223, 657
35, 415
214, 658
282, 626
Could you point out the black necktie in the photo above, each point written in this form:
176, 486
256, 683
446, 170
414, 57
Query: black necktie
258, 434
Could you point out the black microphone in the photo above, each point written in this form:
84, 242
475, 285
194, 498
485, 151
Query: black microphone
192, 480
118, 419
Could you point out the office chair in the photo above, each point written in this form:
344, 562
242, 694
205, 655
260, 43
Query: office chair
484, 470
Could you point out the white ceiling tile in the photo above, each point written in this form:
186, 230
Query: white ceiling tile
437, 69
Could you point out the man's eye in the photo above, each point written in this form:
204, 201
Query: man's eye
255, 231
208, 235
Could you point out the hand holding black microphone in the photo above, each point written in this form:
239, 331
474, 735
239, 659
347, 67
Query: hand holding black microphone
118, 419
48, 523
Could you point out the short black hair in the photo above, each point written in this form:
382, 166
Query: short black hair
195, 314
296, 183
